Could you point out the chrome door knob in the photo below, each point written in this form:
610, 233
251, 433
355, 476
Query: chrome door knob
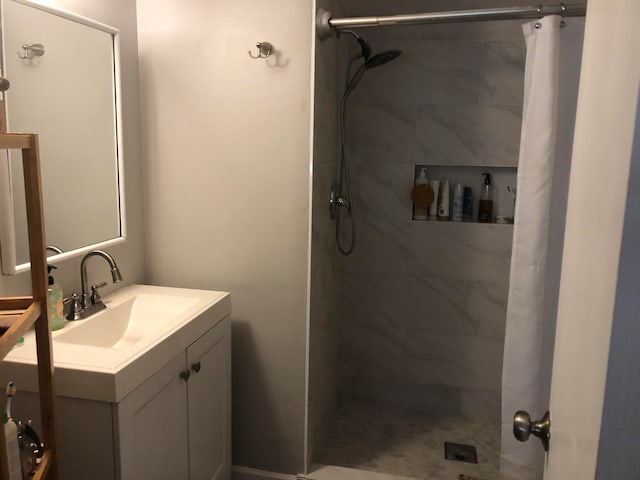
523, 427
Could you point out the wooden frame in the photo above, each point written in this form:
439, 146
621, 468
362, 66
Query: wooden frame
27, 311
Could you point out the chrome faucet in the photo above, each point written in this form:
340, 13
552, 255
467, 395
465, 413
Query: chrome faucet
87, 305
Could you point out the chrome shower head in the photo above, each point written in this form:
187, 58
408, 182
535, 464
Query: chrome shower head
381, 58
365, 51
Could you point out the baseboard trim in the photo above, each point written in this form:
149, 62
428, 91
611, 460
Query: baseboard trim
246, 473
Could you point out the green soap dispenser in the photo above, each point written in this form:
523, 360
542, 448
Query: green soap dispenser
56, 314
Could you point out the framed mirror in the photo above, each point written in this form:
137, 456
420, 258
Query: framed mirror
64, 75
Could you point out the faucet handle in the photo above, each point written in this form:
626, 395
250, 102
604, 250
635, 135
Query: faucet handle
95, 296
75, 306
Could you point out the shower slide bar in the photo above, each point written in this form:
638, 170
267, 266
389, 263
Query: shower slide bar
326, 26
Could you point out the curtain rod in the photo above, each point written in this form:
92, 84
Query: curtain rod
326, 26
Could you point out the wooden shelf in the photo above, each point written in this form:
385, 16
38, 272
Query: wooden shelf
23, 312
22, 141
22, 322
44, 468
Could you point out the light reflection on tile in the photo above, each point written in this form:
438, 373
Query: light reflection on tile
470, 134
427, 73
502, 73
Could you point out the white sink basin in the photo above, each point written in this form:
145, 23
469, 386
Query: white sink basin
122, 325
107, 355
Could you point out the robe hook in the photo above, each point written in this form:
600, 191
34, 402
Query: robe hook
31, 51
264, 50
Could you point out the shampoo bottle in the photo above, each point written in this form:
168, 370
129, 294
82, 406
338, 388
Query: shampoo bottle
485, 208
56, 315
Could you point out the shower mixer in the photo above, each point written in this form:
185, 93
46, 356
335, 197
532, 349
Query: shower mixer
340, 194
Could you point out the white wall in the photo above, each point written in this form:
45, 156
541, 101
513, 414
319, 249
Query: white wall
122, 15
227, 158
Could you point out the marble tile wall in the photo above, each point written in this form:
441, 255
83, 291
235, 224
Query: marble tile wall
423, 304
325, 267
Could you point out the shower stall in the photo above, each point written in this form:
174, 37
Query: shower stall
407, 325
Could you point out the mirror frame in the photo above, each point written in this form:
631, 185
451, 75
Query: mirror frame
115, 37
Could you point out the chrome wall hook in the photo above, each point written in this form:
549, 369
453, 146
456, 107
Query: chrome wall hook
265, 49
31, 51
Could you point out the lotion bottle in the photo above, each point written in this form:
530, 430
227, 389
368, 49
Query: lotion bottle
485, 209
56, 314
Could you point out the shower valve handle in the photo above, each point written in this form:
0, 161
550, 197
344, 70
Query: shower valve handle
337, 201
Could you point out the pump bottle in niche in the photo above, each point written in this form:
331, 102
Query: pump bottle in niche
485, 207
422, 196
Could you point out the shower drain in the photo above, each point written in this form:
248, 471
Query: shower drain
460, 452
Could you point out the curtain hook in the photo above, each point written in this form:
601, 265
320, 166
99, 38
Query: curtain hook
538, 24
563, 8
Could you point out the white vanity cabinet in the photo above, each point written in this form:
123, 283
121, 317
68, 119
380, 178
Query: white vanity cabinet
176, 425
143, 387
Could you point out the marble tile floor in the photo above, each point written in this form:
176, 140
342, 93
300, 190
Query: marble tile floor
408, 443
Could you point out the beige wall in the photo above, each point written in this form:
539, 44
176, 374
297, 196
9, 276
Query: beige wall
120, 14
227, 187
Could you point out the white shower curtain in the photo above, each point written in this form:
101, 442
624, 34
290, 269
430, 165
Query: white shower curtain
551, 85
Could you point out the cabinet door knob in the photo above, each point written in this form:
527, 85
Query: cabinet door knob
185, 374
195, 367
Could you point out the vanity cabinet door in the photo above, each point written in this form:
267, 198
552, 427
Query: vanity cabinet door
209, 400
152, 427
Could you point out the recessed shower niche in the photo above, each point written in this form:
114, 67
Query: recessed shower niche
503, 181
